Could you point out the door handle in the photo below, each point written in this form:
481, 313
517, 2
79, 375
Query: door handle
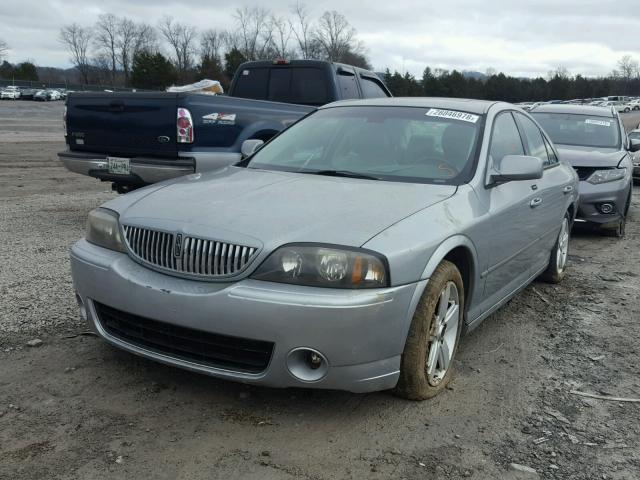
567, 189
535, 202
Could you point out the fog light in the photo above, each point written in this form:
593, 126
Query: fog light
83, 309
606, 208
307, 364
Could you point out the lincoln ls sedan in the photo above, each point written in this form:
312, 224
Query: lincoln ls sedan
349, 252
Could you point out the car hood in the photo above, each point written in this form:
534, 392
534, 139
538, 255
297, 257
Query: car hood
589, 156
268, 208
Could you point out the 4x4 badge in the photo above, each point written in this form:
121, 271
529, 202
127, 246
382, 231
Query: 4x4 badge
177, 246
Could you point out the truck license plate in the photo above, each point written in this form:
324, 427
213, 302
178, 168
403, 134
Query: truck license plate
119, 165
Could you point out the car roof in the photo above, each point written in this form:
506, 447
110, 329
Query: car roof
575, 109
479, 107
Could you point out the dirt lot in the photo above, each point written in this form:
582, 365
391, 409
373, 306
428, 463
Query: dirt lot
75, 408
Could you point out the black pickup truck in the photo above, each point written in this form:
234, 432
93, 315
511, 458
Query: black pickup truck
135, 139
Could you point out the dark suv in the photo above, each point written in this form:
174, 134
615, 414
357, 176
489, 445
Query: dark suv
594, 141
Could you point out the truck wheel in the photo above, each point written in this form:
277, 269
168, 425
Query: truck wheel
555, 272
426, 366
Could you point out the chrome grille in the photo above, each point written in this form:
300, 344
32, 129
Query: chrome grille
186, 254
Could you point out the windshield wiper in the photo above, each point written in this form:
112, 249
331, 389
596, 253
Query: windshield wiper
343, 173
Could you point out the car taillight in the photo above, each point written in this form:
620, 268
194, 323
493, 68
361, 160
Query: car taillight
184, 126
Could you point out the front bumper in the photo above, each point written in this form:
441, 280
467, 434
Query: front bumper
591, 196
361, 333
143, 170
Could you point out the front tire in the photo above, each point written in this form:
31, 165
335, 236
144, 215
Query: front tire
426, 366
620, 228
556, 270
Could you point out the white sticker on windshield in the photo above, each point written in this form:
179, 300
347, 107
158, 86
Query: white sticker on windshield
453, 114
602, 123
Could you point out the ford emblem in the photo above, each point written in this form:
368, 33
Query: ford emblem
163, 139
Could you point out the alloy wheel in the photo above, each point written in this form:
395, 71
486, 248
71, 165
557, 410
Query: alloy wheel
563, 246
443, 335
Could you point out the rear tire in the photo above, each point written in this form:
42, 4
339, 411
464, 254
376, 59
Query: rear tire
426, 366
556, 270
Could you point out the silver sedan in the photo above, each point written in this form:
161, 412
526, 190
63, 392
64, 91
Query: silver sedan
350, 252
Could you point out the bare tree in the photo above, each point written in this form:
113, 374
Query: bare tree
302, 28
181, 38
559, 72
627, 67
77, 38
282, 32
4, 48
146, 39
335, 35
255, 32
132, 38
106, 41
211, 42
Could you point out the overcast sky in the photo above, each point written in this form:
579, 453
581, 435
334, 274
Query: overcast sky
522, 38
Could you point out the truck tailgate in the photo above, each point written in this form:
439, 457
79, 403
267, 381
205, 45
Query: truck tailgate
123, 124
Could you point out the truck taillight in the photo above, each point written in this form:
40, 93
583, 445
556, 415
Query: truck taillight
184, 126
64, 119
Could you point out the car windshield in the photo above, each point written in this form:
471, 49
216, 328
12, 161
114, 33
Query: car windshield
421, 145
582, 130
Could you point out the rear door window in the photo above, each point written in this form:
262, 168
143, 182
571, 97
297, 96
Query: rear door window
371, 88
348, 86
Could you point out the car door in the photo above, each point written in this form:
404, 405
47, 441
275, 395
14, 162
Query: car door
512, 222
551, 189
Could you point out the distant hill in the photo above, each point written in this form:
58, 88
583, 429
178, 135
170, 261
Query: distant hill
472, 74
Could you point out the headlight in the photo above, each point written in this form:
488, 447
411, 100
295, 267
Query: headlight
103, 229
609, 175
324, 266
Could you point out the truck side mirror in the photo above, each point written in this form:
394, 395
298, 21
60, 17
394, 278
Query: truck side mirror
251, 146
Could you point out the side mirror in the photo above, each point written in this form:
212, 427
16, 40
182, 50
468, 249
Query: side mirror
251, 146
634, 145
517, 167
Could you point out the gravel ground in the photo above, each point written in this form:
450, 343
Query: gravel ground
72, 407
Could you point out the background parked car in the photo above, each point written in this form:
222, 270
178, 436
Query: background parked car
594, 141
27, 93
10, 92
634, 135
46, 95
621, 107
634, 104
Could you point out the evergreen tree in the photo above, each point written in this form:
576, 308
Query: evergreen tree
152, 71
